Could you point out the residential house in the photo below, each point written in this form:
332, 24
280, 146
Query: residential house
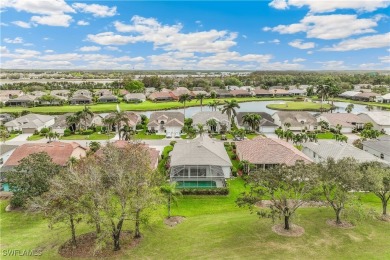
200, 163
24, 101
30, 122
384, 99
348, 121
153, 153
297, 92
203, 117
181, 91
103, 92
298, 120
60, 92
108, 99
223, 93
134, 98
266, 152
323, 149
161, 96
379, 119
82, 92
52, 99
168, 123
4, 118
349, 94
38, 93
240, 93
366, 96
230, 88
10, 93
247, 88
378, 147
259, 92
5, 152
80, 100
279, 92
196, 92
266, 125
59, 152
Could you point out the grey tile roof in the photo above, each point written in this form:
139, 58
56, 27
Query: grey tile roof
382, 144
134, 96
5, 148
339, 150
379, 117
156, 116
30, 120
203, 117
201, 151
295, 118
263, 115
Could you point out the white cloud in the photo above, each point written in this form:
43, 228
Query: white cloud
90, 48
385, 59
167, 37
310, 52
369, 66
82, 23
49, 51
22, 24
244, 36
319, 6
367, 42
279, 4
260, 42
4, 50
16, 40
328, 27
112, 48
3, 24
45, 7
276, 41
302, 45
53, 20
95, 9
298, 60
332, 64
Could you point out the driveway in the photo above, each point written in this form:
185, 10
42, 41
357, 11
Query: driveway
21, 137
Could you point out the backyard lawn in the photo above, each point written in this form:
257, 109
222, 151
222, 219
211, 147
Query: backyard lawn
35, 137
11, 136
215, 228
94, 136
327, 135
299, 106
142, 135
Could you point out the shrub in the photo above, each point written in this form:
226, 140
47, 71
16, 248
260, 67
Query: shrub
233, 145
172, 143
205, 191
67, 132
98, 128
234, 171
36, 132
226, 143
87, 132
139, 127
233, 156
45, 130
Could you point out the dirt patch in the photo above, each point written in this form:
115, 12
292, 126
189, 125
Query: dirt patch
294, 231
86, 246
385, 218
308, 204
344, 224
173, 221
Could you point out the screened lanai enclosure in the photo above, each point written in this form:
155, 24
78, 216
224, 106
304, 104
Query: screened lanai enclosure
198, 176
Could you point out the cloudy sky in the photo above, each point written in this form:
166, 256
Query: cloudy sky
207, 35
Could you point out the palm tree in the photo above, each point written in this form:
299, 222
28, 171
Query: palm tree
288, 134
52, 135
127, 132
183, 99
253, 120
279, 132
84, 115
369, 107
119, 117
287, 125
349, 108
201, 129
230, 109
73, 121
214, 104
212, 123
172, 195
200, 98
94, 146
323, 90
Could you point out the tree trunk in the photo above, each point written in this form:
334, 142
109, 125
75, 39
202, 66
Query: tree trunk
72, 227
137, 233
384, 206
169, 206
116, 234
338, 219
287, 222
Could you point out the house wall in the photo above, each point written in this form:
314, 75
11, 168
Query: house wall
268, 129
376, 153
226, 171
312, 155
173, 130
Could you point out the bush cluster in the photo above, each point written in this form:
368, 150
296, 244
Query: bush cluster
205, 191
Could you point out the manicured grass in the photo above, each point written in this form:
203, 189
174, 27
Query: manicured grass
375, 104
230, 136
11, 136
299, 106
164, 158
142, 135
144, 106
94, 136
215, 228
327, 135
35, 137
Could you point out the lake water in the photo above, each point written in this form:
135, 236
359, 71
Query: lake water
260, 106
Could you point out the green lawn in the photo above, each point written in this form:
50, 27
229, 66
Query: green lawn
94, 136
144, 106
35, 137
375, 104
299, 106
215, 228
11, 136
327, 135
230, 136
142, 135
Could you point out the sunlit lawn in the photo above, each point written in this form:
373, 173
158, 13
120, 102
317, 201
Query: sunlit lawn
35, 137
94, 136
327, 135
297, 106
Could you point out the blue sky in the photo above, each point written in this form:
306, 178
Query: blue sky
206, 35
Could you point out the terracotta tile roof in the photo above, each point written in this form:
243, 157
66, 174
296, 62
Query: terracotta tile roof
279, 91
269, 151
59, 152
240, 92
344, 119
260, 91
160, 95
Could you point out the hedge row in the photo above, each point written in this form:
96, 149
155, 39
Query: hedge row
205, 191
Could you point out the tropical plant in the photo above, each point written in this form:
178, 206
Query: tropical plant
253, 120
214, 104
52, 135
126, 133
183, 99
172, 194
323, 91
199, 97
73, 121
84, 114
119, 117
200, 129
212, 124
229, 108
4, 135
349, 108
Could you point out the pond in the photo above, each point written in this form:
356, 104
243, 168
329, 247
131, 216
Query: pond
260, 106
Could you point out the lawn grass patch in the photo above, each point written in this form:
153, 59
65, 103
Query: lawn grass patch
327, 135
11, 136
94, 136
144, 136
299, 106
35, 137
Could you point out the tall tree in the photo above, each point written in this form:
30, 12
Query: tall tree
171, 194
118, 118
230, 109
253, 120
338, 179
73, 121
212, 124
184, 99
349, 108
84, 114
200, 129
199, 97
287, 188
